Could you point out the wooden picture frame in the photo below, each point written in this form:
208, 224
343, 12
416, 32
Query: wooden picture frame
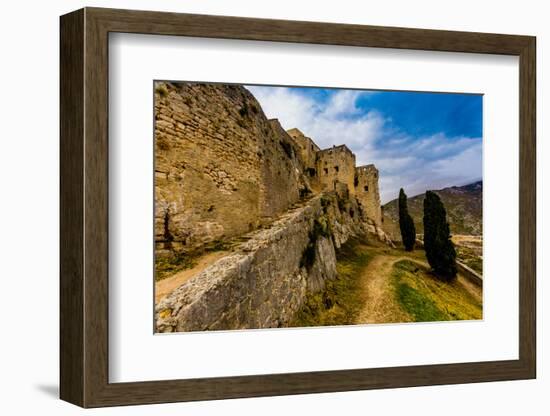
84, 207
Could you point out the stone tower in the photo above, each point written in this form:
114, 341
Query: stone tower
367, 192
308, 150
336, 164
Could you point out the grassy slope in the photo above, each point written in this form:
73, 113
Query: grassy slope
427, 299
463, 205
341, 300
419, 294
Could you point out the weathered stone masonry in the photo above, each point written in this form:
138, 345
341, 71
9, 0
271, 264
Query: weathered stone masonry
224, 170
221, 168
263, 283
367, 192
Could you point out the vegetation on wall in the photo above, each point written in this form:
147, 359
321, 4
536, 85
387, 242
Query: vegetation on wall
320, 229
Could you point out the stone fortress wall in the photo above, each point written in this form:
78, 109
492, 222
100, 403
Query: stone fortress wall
263, 283
223, 170
325, 168
308, 151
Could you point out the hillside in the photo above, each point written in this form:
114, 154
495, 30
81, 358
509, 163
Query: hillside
463, 205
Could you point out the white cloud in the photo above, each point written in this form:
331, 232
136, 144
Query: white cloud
413, 163
291, 109
342, 103
429, 163
328, 124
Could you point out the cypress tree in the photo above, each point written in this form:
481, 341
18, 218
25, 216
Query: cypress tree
406, 224
440, 250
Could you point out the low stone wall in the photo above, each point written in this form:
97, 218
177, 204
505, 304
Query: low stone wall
466, 271
266, 280
470, 274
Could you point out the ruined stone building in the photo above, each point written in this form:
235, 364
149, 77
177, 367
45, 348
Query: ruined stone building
327, 167
367, 192
223, 170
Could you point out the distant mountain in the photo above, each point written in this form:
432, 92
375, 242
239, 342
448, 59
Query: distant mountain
463, 204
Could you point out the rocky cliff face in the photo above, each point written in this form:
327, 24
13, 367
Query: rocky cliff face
264, 282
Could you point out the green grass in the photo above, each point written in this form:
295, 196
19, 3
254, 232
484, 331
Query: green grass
427, 299
340, 301
475, 264
217, 245
419, 306
167, 266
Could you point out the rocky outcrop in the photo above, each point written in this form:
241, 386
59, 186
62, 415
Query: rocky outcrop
265, 281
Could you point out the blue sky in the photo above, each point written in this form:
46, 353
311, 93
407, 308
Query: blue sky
418, 140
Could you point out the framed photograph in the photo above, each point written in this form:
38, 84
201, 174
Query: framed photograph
255, 207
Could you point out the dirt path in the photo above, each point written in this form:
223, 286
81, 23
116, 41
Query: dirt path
379, 303
165, 286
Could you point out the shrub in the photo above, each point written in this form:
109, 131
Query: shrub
243, 111
308, 256
216, 245
287, 147
320, 228
305, 191
341, 204
168, 237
